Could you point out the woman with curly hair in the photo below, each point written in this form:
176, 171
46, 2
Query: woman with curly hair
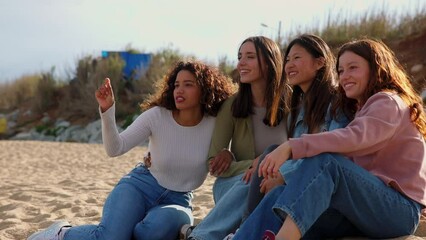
154, 202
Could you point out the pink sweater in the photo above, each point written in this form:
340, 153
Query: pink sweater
382, 140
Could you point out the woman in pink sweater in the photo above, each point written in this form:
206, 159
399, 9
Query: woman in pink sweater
367, 179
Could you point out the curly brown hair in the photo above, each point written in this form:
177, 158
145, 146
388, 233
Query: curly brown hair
386, 74
215, 87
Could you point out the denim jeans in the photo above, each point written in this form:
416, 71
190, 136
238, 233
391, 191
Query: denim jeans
139, 208
329, 196
225, 217
222, 185
254, 195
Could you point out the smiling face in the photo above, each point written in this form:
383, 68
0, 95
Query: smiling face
248, 64
187, 92
354, 74
301, 67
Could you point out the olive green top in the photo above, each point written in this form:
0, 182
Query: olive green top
238, 132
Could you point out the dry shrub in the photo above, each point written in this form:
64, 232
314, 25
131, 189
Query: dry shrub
378, 22
13, 94
79, 98
44, 97
146, 85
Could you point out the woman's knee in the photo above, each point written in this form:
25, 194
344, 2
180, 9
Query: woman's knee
163, 222
143, 231
323, 160
223, 184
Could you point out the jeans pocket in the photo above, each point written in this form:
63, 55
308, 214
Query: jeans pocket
140, 169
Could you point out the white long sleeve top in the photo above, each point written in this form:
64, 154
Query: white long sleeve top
178, 153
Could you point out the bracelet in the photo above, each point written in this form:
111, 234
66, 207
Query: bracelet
232, 154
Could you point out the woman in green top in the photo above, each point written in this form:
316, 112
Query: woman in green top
245, 125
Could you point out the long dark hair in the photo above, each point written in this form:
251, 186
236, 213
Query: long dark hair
215, 87
269, 53
386, 74
320, 94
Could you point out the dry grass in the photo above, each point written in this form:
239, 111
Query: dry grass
75, 97
378, 22
15, 93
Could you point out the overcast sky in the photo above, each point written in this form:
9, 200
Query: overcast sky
38, 34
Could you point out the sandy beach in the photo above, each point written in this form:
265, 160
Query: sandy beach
45, 181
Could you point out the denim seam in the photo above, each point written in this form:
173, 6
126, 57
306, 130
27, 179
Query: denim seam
195, 237
374, 188
162, 196
281, 209
385, 194
286, 209
406, 201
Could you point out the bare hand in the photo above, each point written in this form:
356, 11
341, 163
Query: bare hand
220, 163
104, 95
247, 175
268, 184
147, 160
271, 164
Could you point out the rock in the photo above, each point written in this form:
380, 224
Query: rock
62, 123
22, 136
416, 68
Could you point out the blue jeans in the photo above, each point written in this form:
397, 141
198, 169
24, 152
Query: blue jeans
226, 215
222, 185
254, 194
139, 208
329, 196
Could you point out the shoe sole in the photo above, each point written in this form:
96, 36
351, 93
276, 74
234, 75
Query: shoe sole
55, 227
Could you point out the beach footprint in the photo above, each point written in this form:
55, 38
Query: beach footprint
21, 196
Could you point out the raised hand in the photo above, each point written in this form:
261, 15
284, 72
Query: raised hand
104, 95
271, 164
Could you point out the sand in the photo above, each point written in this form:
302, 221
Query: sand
41, 182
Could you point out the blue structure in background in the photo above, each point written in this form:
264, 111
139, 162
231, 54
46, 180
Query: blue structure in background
136, 64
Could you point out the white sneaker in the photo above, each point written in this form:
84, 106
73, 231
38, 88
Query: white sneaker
50, 233
185, 231
231, 235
